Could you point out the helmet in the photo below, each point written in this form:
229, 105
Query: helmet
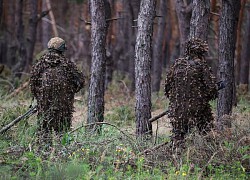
196, 46
57, 43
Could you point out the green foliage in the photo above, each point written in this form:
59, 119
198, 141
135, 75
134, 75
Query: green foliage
122, 115
115, 153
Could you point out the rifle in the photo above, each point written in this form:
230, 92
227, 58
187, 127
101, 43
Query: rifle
30, 112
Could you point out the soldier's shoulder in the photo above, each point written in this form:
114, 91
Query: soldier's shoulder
182, 61
41, 55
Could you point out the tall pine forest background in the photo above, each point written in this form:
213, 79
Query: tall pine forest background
126, 106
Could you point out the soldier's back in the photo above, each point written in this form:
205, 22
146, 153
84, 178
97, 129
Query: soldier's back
55, 95
187, 88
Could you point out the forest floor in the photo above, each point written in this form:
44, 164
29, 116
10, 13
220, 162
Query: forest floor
116, 153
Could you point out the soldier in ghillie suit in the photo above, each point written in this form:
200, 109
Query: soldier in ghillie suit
54, 82
190, 85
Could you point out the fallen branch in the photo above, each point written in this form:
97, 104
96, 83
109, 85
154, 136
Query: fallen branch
204, 167
146, 151
130, 139
7, 82
99, 123
27, 114
18, 90
158, 116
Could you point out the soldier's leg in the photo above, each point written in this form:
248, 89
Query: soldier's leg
205, 120
180, 128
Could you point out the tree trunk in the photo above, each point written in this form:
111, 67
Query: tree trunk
158, 47
134, 7
31, 38
3, 42
228, 28
244, 70
184, 12
239, 42
200, 19
98, 41
109, 62
46, 29
118, 53
143, 54
52, 17
1, 14
174, 43
20, 35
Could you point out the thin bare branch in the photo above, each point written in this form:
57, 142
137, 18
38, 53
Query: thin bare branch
158, 116
216, 14
113, 19
49, 21
43, 14
27, 114
86, 22
100, 123
52, 17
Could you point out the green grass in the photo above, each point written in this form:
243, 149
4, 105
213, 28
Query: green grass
115, 153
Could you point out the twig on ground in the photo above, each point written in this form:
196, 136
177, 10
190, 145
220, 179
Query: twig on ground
125, 86
100, 123
204, 167
156, 132
18, 90
27, 114
152, 148
158, 116
7, 82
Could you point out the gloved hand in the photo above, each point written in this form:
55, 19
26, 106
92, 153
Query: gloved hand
221, 85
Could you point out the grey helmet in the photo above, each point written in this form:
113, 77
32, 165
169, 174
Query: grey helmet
57, 44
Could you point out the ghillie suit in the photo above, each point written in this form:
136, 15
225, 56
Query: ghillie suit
54, 81
190, 85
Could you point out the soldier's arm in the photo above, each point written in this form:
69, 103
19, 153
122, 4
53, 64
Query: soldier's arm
168, 81
35, 79
210, 82
77, 76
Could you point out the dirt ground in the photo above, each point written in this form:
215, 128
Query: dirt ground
160, 127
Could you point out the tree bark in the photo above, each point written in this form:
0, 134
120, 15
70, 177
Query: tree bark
143, 54
228, 28
134, 7
31, 38
184, 12
1, 14
98, 41
200, 19
109, 62
3, 42
46, 30
158, 47
52, 17
239, 42
245, 56
21, 48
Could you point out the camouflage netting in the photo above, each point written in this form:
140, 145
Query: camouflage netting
54, 81
190, 85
